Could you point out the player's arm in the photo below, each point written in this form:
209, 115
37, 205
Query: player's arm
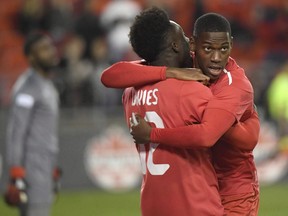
244, 135
220, 115
127, 74
18, 127
215, 124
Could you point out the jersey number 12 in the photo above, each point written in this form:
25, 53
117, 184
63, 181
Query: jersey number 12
154, 169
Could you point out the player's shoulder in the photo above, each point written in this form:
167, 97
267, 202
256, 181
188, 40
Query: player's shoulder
23, 82
191, 88
26, 84
182, 83
194, 86
176, 87
235, 70
235, 76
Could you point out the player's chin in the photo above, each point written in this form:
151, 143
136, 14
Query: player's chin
214, 73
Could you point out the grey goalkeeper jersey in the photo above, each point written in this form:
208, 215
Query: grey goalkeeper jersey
33, 120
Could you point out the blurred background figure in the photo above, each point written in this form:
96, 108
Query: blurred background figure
76, 72
278, 100
275, 157
103, 97
32, 140
31, 16
88, 25
59, 19
117, 18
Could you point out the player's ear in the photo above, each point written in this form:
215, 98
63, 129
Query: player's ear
175, 47
192, 44
30, 58
231, 42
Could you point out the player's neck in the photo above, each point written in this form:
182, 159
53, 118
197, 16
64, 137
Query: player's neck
45, 74
166, 60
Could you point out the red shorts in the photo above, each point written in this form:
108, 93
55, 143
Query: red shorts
246, 204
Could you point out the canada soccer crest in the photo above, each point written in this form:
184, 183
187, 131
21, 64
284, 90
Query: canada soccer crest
112, 161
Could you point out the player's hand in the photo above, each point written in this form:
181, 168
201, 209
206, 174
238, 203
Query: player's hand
57, 174
188, 74
15, 193
140, 130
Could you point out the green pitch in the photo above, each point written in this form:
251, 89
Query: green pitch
274, 202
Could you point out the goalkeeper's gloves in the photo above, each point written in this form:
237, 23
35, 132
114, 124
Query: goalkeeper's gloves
16, 191
57, 174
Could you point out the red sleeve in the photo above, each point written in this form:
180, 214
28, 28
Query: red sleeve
128, 74
244, 135
233, 100
193, 100
214, 124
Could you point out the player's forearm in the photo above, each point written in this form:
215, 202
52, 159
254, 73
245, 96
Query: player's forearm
18, 127
127, 74
244, 135
172, 72
16, 138
205, 134
15, 148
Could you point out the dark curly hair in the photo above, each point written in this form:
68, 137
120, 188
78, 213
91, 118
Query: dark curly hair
148, 32
211, 22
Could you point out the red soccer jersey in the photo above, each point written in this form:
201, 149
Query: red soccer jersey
176, 181
233, 96
235, 167
233, 92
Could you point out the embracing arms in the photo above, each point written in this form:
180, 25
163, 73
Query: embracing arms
212, 127
244, 135
128, 74
221, 113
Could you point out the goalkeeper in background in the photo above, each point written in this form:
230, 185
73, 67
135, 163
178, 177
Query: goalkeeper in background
32, 145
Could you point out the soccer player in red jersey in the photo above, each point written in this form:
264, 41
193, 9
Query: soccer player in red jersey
232, 105
176, 181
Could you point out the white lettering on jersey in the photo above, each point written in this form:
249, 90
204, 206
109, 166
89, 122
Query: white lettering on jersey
229, 76
145, 97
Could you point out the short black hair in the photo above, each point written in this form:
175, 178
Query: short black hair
31, 39
148, 32
211, 22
